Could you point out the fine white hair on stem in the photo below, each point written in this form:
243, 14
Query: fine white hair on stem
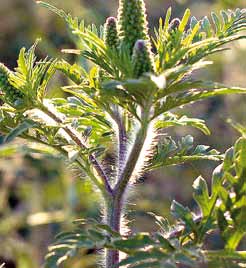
146, 153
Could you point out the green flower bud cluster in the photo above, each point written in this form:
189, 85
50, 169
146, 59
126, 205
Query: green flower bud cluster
132, 22
174, 25
12, 95
142, 59
110, 33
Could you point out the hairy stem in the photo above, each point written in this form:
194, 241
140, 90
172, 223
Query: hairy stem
115, 207
74, 136
114, 199
122, 150
132, 158
113, 219
122, 140
122, 136
115, 214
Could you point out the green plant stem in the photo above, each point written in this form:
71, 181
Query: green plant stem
115, 207
113, 218
122, 138
122, 147
114, 211
131, 161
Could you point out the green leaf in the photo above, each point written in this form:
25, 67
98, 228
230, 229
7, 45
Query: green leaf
201, 195
232, 206
73, 72
206, 26
237, 126
108, 229
138, 241
187, 143
141, 256
185, 260
59, 12
22, 62
193, 22
134, 91
170, 120
184, 20
168, 152
96, 235
31, 77
183, 214
46, 72
201, 149
235, 239
167, 19
222, 222
190, 84
216, 22
228, 160
180, 100
217, 179
8, 151
164, 242
224, 16
149, 264
20, 129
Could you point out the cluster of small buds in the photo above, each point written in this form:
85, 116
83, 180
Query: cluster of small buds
11, 94
110, 33
174, 25
142, 58
130, 30
132, 22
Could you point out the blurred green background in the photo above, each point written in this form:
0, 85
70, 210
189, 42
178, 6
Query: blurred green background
39, 197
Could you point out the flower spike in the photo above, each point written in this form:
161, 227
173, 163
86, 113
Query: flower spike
142, 58
132, 22
110, 33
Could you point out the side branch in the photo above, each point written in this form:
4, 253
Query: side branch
64, 153
74, 136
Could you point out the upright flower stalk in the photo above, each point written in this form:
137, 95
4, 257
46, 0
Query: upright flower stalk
110, 33
132, 22
142, 59
131, 33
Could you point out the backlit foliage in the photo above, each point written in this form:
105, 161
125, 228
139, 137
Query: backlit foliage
122, 100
